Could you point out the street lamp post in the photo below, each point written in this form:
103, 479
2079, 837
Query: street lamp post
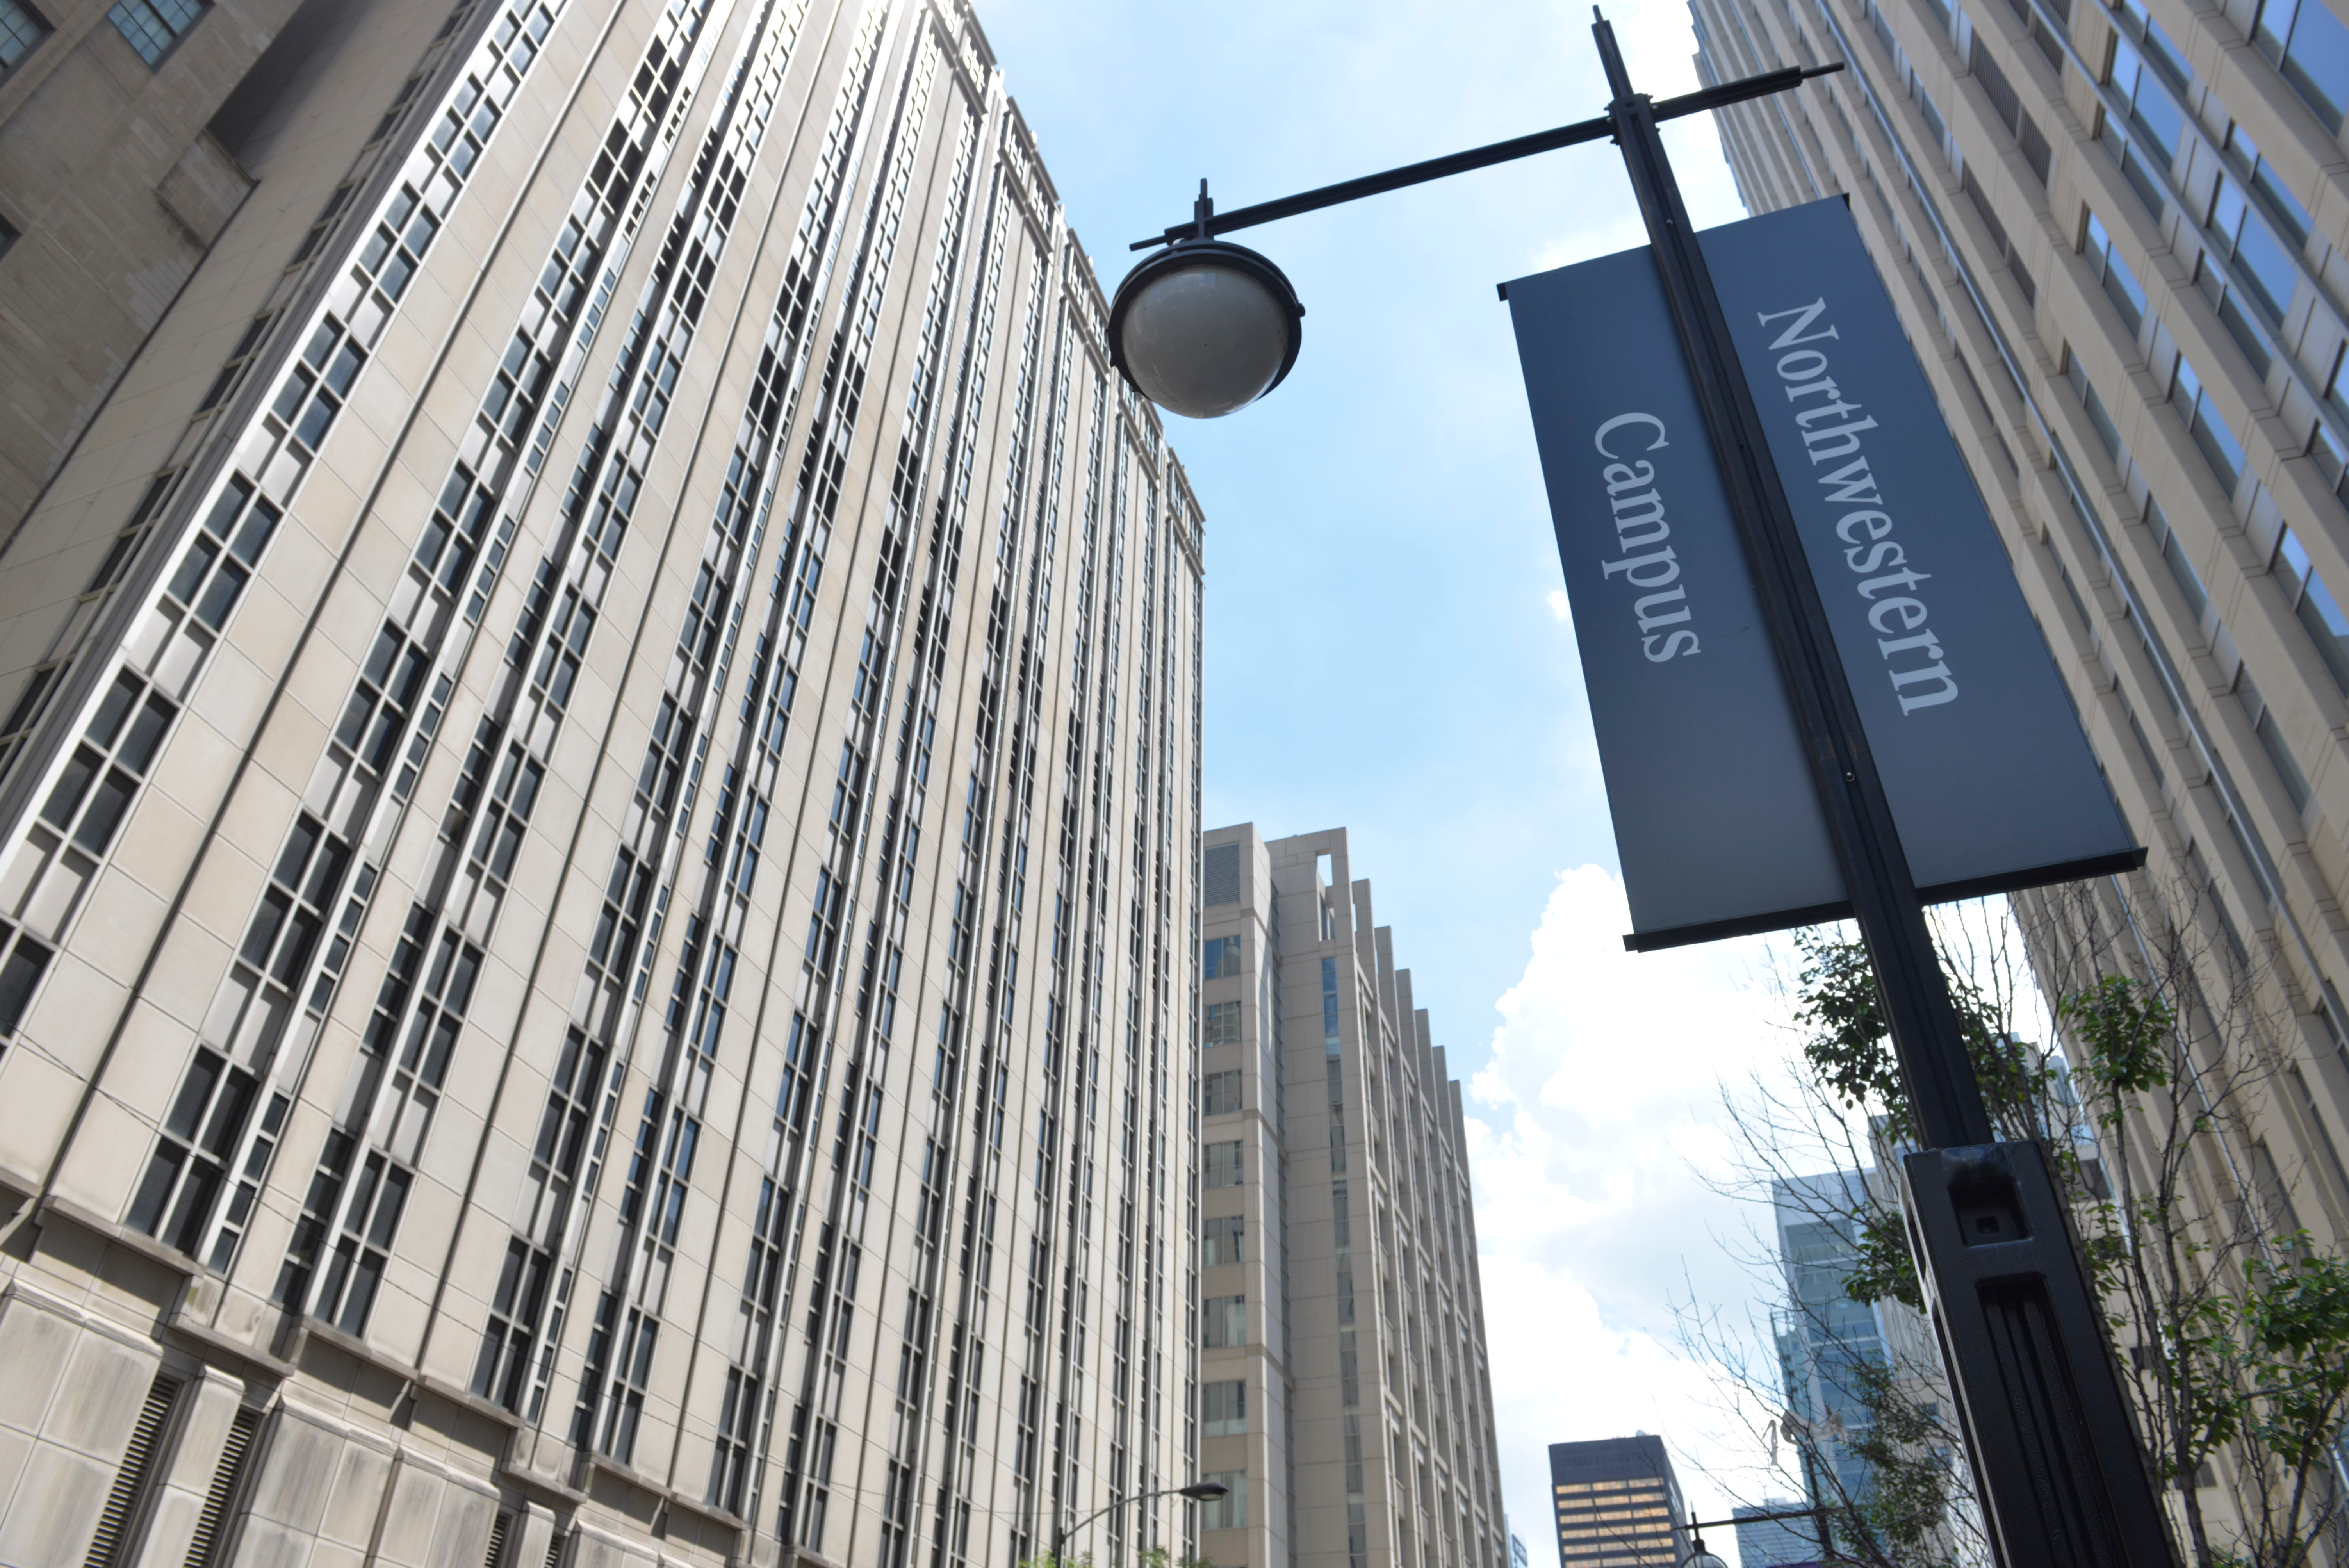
1204, 327
1198, 1491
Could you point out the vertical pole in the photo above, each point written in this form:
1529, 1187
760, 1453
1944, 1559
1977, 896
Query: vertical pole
2055, 1459
1947, 1102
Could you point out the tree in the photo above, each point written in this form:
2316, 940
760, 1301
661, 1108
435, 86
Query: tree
2231, 1330
1852, 1382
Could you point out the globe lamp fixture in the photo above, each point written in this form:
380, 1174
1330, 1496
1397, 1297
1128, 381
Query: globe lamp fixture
1204, 328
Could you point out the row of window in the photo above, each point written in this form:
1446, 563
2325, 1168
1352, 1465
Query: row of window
153, 27
2254, 229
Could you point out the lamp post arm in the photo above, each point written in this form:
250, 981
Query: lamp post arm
1060, 1537
1479, 156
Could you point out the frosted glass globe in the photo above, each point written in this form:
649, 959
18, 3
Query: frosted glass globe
1202, 340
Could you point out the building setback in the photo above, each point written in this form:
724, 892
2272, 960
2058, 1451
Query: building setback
2118, 241
1618, 1504
1344, 1392
598, 898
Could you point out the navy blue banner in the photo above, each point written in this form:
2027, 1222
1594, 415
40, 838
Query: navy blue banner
1716, 819
1990, 781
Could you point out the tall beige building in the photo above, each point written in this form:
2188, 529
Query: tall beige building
597, 813
2116, 239
1344, 1393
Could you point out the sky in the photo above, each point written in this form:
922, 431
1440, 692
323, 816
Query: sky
1388, 648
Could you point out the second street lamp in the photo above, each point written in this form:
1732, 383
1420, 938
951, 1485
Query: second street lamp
1197, 1491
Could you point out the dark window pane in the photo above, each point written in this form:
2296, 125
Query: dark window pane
106, 806
186, 1227
147, 733
119, 698
155, 1189
71, 784
220, 596
296, 857
193, 567
18, 975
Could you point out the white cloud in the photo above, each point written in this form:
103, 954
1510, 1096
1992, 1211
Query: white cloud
1593, 1132
1557, 604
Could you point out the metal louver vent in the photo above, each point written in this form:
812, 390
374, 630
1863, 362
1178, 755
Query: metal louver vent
212, 1524
496, 1555
554, 1550
1221, 873
106, 1548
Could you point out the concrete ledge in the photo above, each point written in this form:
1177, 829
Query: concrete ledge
123, 1236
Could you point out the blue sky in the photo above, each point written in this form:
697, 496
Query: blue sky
1382, 650
1387, 648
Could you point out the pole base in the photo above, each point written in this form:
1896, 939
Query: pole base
2056, 1459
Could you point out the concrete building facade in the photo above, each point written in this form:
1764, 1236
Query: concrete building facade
1344, 1390
1618, 1504
2117, 238
599, 820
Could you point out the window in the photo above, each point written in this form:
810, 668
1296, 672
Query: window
1219, 957
241, 355
1223, 1407
2314, 602
1933, 116
1222, 1023
2321, 447
2310, 47
2265, 266
21, 28
153, 26
324, 224
1228, 1512
1223, 1321
2287, 206
2189, 582
2264, 725
2121, 285
2001, 95
2207, 426
2146, 144
2158, 45
1221, 1240
1220, 1093
2047, 32
1223, 1164
2098, 415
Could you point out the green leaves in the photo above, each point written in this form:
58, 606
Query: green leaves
2296, 1318
1887, 1269
2124, 1028
1844, 1034
1849, 1047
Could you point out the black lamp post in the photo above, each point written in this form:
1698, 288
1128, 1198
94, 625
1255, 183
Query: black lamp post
1204, 328
1198, 1491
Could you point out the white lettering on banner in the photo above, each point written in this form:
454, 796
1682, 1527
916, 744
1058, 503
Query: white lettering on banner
1647, 563
1878, 563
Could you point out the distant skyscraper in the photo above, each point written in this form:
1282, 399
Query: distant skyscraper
1343, 1389
597, 846
1822, 1332
1775, 1542
1618, 1504
1517, 1558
